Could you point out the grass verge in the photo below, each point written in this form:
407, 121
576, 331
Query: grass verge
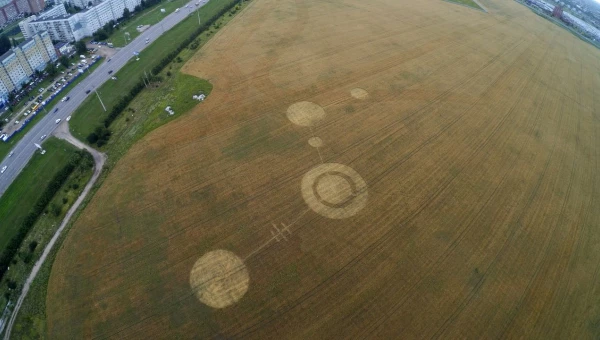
89, 115
44, 228
5, 147
148, 16
27, 188
144, 114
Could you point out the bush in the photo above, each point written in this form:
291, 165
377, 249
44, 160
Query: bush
92, 138
27, 258
168, 73
56, 209
32, 246
75, 186
11, 284
65, 200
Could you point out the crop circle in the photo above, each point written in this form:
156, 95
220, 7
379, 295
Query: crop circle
305, 113
334, 190
219, 278
359, 93
315, 142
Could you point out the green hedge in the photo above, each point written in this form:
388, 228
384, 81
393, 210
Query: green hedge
53, 187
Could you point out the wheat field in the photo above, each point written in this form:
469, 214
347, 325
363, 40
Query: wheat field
362, 169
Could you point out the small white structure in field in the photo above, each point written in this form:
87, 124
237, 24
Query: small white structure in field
169, 110
199, 97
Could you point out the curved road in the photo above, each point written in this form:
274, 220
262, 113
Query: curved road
24, 149
99, 159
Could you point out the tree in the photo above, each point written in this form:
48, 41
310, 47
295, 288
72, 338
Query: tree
64, 60
80, 47
126, 13
32, 245
51, 69
100, 34
4, 44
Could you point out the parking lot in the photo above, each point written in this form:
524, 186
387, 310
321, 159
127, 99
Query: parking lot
38, 99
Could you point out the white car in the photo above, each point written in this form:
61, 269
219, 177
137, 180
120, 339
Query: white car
3, 169
43, 136
57, 121
11, 153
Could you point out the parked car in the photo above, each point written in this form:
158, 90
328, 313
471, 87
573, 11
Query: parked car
87, 91
43, 136
57, 121
68, 118
3, 169
109, 72
56, 110
11, 153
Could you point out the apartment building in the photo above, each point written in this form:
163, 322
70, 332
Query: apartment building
10, 9
64, 27
21, 62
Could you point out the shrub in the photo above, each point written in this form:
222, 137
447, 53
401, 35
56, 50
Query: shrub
75, 186
56, 209
11, 284
32, 246
65, 200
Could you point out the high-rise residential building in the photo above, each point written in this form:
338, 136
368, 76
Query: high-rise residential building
64, 27
10, 9
21, 62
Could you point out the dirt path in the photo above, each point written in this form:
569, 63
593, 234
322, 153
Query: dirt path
99, 158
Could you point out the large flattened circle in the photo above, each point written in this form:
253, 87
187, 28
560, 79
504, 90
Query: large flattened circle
305, 113
334, 190
219, 278
359, 93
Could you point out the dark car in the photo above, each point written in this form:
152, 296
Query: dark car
88, 91
67, 99
55, 110
109, 72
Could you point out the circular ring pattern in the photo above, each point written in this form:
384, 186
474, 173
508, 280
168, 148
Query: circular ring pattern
334, 190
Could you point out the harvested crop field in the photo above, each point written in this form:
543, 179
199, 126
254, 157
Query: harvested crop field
376, 169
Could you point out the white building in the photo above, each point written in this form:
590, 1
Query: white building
56, 11
64, 27
21, 62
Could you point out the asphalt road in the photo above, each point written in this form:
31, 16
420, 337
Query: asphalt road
25, 148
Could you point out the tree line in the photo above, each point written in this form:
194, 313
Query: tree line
79, 158
101, 134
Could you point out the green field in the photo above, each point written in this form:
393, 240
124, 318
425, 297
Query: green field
90, 114
469, 3
149, 16
27, 188
5, 147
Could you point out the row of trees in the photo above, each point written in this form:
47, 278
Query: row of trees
105, 31
101, 139
80, 158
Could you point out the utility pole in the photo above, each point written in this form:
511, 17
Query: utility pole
104, 107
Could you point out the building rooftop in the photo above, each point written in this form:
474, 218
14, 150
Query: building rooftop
55, 17
6, 55
60, 44
25, 42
